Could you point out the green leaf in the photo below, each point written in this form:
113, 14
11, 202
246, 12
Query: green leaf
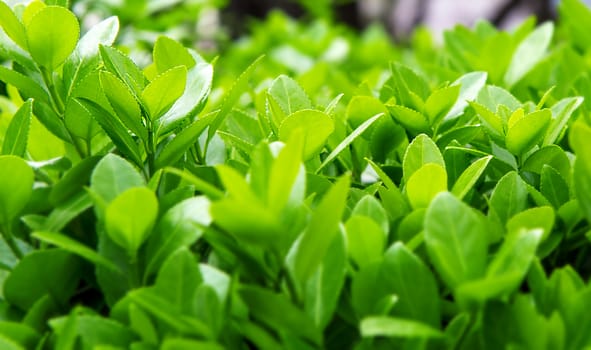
73, 181
456, 240
528, 131
365, 239
52, 35
407, 276
508, 198
470, 86
348, 140
12, 26
85, 57
289, 96
412, 120
164, 90
123, 103
422, 150
324, 288
533, 218
17, 133
124, 68
115, 129
53, 272
181, 226
529, 52
188, 344
562, 112
169, 53
362, 108
199, 79
552, 156
554, 187
16, 188
440, 103
277, 312
470, 176
129, 218
492, 122
370, 207
178, 280
382, 326
68, 244
425, 183
176, 148
321, 230
286, 185
315, 126
27, 86
231, 98
112, 176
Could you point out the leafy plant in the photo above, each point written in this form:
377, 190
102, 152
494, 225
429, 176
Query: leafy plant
432, 197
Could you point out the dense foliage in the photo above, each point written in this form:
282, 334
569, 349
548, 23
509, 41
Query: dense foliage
323, 189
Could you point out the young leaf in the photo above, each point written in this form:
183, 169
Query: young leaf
316, 127
129, 218
52, 35
528, 131
124, 68
112, 176
27, 86
412, 120
561, 114
115, 129
321, 230
456, 240
424, 184
529, 52
169, 53
440, 102
348, 140
508, 198
365, 240
470, 176
164, 90
12, 26
407, 276
124, 104
16, 187
422, 150
176, 148
17, 133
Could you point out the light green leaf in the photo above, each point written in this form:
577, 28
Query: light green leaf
470, 86
529, 52
169, 53
123, 103
533, 218
412, 120
176, 148
129, 218
16, 187
422, 150
124, 68
456, 240
112, 176
365, 240
52, 35
289, 96
528, 131
315, 126
561, 114
12, 26
17, 133
440, 103
321, 230
508, 198
164, 90
425, 183
348, 140
470, 176
26, 85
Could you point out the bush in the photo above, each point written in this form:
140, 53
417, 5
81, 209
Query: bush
338, 192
